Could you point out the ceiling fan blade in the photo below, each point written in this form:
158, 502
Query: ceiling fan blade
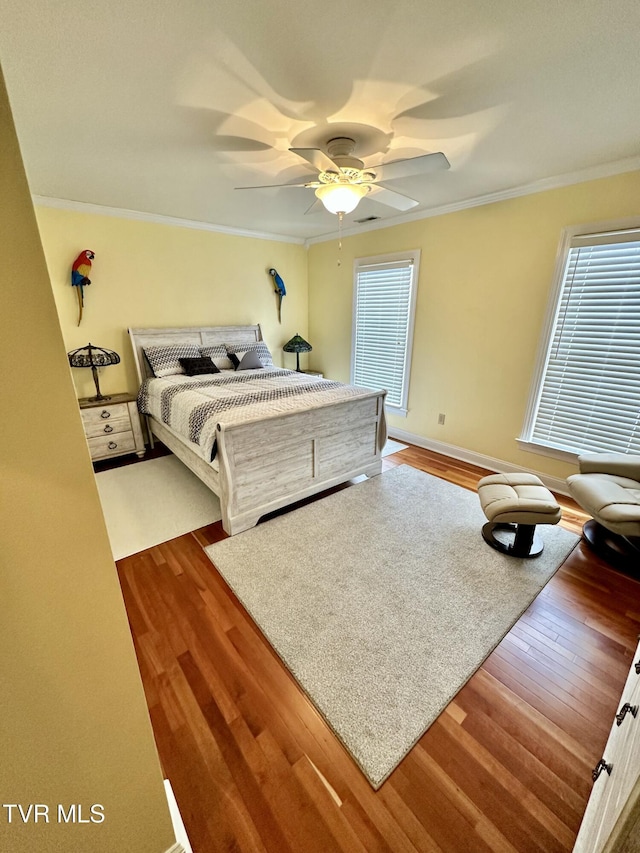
392, 198
310, 182
318, 159
410, 166
316, 207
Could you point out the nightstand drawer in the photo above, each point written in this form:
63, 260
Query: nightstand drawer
115, 445
96, 429
100, 414
112, 426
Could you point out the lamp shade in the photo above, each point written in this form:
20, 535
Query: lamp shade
93, 357
297, 345
341, 198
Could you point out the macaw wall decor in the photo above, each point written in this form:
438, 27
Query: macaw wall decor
280, 290
80, 277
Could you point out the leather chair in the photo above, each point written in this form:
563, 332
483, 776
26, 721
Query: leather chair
608, 488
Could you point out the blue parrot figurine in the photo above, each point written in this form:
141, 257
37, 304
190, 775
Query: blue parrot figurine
280, 290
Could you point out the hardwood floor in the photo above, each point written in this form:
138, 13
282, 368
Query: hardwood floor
506, 767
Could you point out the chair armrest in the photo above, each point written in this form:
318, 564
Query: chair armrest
618, 464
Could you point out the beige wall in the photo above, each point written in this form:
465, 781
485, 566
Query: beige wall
485, 277
74, 726
149, 274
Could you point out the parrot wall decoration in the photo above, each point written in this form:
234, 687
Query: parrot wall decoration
80, 277
280, 290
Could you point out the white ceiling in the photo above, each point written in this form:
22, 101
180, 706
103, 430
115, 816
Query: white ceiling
164, 107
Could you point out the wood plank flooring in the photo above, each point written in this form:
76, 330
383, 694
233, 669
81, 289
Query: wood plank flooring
506, 767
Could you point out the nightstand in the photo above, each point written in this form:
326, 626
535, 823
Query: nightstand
313, 373
112, 426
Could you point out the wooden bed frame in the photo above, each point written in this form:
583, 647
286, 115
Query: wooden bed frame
271, 463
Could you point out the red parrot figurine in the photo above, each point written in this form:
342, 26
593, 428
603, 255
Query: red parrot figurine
80, 277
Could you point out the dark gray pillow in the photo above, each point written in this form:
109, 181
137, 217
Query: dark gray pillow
248, 361
198, 366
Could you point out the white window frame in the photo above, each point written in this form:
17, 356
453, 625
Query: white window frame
525, 441
412, 256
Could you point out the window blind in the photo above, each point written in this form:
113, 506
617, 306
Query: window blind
382, 321
590, 395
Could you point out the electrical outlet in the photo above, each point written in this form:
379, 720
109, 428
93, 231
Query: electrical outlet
441, 418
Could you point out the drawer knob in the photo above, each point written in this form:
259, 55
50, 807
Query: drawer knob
105, 413
108, 428
637, 667
626, 709
600, 766
112, 445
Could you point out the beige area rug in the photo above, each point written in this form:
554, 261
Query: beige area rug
382, 600
150, 502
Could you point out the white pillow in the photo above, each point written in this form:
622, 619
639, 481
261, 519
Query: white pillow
218, 355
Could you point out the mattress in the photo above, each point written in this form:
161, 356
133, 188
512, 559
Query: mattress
193, 406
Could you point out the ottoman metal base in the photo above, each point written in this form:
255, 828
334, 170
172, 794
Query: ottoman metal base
516, 540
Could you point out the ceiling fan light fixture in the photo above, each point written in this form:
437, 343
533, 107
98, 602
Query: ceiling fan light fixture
341, 197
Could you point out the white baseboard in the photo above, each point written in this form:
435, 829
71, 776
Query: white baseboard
556, 484
182, 844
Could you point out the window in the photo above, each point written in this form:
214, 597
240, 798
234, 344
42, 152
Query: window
383, 317
586, 395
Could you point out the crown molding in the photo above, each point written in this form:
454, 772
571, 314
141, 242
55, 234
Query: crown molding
606, 170
158, 219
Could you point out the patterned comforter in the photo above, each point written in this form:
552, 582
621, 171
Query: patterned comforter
193, 406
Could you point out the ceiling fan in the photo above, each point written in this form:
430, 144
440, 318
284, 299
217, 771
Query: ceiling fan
343, 180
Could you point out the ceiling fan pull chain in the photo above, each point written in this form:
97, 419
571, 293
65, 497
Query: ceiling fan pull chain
340, 218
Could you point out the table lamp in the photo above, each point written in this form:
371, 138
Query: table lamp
93, 357
297, 345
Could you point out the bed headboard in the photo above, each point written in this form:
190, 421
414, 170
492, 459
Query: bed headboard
202, 336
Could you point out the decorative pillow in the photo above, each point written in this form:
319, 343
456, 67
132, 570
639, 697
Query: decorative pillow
260, 348
165, 360
218, 355
198, 366
246, 360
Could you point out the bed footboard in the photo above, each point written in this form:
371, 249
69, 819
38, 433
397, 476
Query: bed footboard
268, 464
